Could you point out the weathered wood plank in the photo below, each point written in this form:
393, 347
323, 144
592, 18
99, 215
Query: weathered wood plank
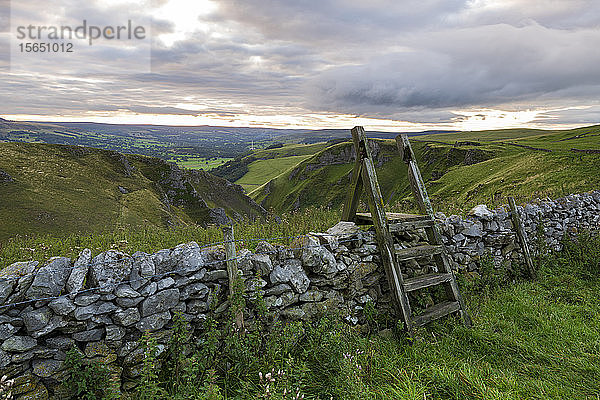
418, 251
353, 196
433, 235
424, 281
518, 226
414, 176
384, 237
410, 225
232, 270
367, 219
437, 311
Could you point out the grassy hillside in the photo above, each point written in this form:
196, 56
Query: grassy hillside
259, 167
57, 189
261, 171
461, 170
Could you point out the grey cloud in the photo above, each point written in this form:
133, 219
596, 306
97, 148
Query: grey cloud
482, 66
414, 60
176, 111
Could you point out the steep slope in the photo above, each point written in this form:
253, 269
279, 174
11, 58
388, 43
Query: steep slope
61, 189
323, 179
261, 166
461, 169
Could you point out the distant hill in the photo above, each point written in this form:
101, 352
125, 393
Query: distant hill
461, 169
197, 146
61, 189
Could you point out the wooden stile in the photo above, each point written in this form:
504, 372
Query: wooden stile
364, 178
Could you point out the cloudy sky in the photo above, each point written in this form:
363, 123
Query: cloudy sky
397, 65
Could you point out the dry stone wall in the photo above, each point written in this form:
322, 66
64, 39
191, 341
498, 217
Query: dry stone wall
103, 304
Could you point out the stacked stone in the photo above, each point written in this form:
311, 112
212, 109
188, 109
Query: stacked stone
103, 305
484, 231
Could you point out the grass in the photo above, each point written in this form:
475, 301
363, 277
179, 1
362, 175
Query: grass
457, 177
150, 238
262, 171
531, 340
199, 162
59, 190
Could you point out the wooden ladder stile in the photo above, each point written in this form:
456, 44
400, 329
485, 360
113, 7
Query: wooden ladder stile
365, 178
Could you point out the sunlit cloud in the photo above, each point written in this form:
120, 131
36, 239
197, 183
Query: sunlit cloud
411, 65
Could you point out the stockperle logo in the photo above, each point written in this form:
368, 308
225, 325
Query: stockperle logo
85, 31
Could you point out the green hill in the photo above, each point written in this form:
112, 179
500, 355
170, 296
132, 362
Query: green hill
461, 169
59, 189
259, 167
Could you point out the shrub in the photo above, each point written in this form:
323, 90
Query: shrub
88, 380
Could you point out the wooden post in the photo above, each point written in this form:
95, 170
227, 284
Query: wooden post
414, 175
433, 234
232, 271
383, 235
521, 235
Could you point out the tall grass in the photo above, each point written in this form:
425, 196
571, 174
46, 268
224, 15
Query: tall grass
531, 340
150, 238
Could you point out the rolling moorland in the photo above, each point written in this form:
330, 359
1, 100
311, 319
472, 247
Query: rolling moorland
461, 170
534, 339
198, 147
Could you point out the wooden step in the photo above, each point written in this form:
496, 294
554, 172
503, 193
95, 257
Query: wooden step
410, 225
434, 312
366, 219
418, 251
423, 281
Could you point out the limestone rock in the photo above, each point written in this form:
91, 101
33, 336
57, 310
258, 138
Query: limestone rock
45, 368
108, 269
79, 272
196, 290
259, 263
160, 302
50, 279
165, 283
344, 229
315, 256
60, 342
154, 322
162, 261
188, 258
481, 211
7, 330
4, 359
142, 269
36, 319
215, 275
126, 317
291, 272
18, 344
62, 306
85, 299
16, 277
91, 335
114, 332
126, 291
